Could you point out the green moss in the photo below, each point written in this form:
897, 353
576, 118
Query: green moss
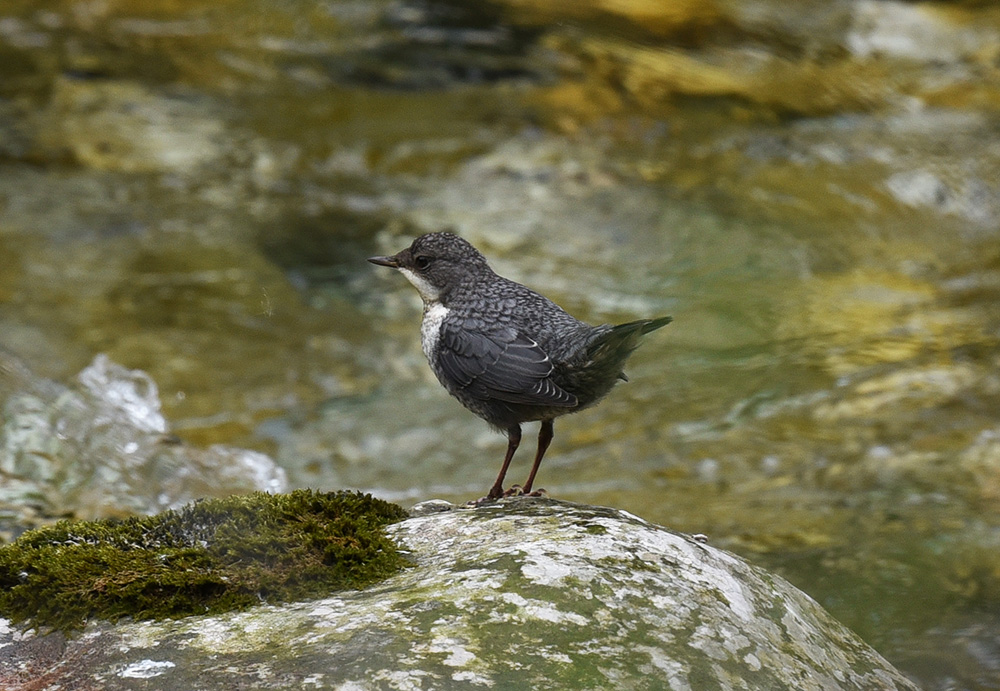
208, 557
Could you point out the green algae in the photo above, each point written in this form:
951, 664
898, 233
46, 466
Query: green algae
208, 557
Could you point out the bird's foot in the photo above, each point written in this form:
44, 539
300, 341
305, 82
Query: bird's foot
518, 491
514, 491
496, 493
490, 498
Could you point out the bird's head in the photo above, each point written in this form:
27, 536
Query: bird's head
435, 263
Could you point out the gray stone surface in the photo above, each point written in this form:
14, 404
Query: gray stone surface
525, 594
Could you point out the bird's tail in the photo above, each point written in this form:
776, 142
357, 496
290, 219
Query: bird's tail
613, 347
629, 331
651, 324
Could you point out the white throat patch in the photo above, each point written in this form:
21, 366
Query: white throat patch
434, 312
427, 291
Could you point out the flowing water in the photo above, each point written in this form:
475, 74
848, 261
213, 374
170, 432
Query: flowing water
810, 189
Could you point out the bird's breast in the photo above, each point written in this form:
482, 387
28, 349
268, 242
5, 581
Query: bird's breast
430, 329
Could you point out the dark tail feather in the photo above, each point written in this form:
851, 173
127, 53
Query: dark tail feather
640, 327
618, 343
654, 324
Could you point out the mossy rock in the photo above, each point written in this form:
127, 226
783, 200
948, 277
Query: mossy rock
208, 557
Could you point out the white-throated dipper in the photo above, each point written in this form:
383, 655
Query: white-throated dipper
505, 352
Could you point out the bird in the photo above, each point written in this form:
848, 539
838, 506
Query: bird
507, 353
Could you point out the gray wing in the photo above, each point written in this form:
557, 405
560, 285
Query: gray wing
502, 364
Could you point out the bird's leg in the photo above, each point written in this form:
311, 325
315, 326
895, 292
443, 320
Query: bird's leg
513, 439
544, 439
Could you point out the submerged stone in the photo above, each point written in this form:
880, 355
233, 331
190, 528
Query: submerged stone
102, 447
526, 594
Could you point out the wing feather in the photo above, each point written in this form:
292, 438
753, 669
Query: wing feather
502, 364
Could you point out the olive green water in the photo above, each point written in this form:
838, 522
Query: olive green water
810, 189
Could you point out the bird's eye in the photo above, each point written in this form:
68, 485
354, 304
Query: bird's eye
421, 261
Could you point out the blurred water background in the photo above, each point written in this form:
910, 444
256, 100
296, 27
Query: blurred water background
811, 189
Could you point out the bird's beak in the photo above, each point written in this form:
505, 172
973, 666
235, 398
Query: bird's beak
385, 261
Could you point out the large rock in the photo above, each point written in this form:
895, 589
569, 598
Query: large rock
526, 594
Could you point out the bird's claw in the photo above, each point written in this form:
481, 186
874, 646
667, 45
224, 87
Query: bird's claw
514, 491
518, 491
482, 501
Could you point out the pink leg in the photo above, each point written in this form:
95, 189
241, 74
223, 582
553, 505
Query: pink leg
513, 439
544, 439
